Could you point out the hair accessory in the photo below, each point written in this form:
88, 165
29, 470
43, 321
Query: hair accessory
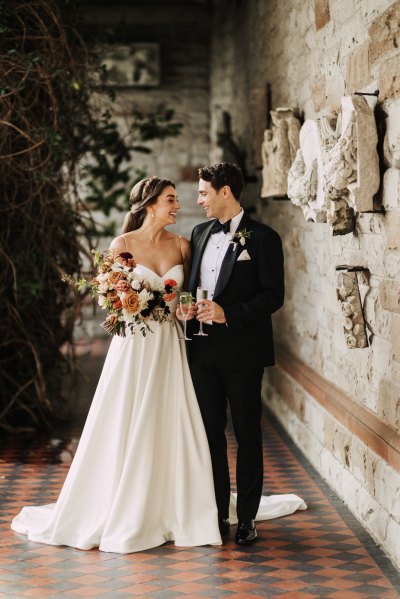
147, 184
138, 206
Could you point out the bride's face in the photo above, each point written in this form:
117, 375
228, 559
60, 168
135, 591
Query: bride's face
167, 206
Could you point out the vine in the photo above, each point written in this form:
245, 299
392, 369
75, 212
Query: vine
51, 136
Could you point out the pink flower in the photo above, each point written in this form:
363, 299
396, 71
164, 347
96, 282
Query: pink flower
123, 286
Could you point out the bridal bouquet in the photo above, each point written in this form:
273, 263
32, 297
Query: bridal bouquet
130, 300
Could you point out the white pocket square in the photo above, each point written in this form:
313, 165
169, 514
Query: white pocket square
244, 256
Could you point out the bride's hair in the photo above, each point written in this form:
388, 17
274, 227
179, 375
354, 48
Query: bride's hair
143, 194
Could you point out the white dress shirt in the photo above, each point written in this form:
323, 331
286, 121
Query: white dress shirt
214, 254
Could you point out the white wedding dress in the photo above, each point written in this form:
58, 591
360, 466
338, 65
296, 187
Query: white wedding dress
142, 472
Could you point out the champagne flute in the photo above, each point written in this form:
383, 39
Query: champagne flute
185, 301
201, 294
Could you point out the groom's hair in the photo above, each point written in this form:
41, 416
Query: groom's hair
224, 173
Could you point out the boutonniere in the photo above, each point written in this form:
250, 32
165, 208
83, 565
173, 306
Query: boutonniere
240, 237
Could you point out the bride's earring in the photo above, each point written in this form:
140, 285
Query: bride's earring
152, 214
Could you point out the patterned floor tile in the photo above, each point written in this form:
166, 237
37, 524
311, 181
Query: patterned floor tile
320, 553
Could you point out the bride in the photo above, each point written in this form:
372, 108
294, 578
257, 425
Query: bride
142, 472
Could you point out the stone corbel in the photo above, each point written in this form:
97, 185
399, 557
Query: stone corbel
352, 288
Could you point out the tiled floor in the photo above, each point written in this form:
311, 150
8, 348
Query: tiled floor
321, 552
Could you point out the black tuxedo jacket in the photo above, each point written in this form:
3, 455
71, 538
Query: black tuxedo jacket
249, 291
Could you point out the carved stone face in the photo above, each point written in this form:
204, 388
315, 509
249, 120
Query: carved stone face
267, 135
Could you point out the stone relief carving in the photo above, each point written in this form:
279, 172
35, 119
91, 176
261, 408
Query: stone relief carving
281, 151
392, 138
359, 120
352, 287
268, 162
340, 215
351, 167
305, 187
278, 151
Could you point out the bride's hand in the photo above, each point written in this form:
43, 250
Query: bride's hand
190, 315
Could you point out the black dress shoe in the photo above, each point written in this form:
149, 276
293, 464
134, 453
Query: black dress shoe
224, 526
246, 532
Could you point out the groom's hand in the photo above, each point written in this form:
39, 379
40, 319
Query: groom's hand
209, 310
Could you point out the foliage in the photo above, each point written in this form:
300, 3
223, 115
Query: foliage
51, 136
108, 171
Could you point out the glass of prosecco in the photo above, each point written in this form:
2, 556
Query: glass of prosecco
201, 294
185, 302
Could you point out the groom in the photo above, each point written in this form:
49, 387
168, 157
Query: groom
240, 262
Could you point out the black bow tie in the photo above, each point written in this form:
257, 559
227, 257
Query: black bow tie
217, 227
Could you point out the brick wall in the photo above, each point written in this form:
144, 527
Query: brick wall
182, 32
312, 53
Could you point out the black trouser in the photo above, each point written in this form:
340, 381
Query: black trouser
215, 387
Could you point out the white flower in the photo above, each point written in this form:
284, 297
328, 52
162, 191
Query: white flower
117, 266
240, 237
135, 284
128, 316
101, 301
102, 277
103, 287
144, 297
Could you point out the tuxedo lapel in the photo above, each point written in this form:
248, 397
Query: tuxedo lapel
230, 258
198, 254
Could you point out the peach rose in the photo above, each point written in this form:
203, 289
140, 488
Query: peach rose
105, 267
112, 295
122, 286
131, 302
114, 277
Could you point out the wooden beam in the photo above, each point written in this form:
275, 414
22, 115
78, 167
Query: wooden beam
355, 417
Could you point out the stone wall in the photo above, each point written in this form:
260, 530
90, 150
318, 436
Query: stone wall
345, 414
182, 32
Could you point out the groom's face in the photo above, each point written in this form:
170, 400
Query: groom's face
211, 200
